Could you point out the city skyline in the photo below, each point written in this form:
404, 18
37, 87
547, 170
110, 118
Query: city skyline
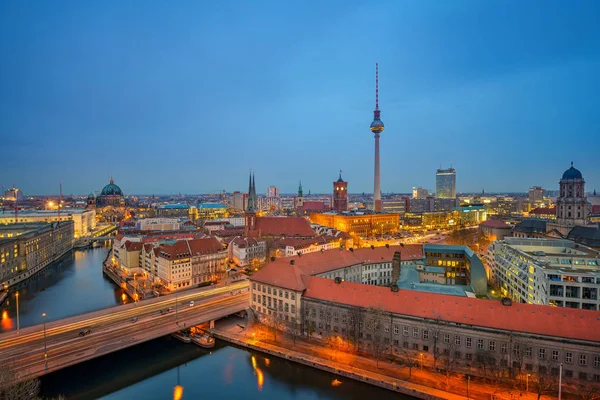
136, 91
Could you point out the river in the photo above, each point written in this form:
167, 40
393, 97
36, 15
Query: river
151, 370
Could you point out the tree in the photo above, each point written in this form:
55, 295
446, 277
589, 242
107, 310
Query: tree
545, 379
376, 318
27, 390
485, 362
448, 359
294, 330
273, 323
587, 390
353, 324
434, 329
408, 359
310, 328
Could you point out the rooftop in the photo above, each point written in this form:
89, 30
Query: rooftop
212, 205
329, 260
282, 226
494, 223
542, 320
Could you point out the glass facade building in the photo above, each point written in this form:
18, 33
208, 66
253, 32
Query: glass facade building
445, 183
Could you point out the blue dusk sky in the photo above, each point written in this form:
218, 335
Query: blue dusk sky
187, 96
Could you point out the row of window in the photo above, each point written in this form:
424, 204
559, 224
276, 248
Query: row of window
267, 289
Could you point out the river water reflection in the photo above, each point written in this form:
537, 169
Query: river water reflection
153, 369
72, 286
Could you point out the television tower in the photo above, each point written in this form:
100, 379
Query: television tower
377, 128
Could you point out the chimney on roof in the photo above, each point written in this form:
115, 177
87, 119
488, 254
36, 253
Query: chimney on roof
396, 267
394, 287
506, 301
387, 245
351, 249
338, 280
292, 262
372, 247
272, 259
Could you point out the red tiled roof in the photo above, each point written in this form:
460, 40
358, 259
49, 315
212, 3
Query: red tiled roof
119, 237
189, 248
329, 260
384, 254
596, 209
133, 246
313, 206
244, 242
282, 226
494, 223
289, 276
229, 232
148, 247
542, 320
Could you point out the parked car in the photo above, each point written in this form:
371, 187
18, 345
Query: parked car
85, 332
192, 303
134, 319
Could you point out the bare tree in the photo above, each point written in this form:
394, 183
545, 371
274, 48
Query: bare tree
294, 330
434, 329
448, 359
310, 328
376, 318
485, 362
587, 390
408, 358
273, 323
9, 390
545, 379
353, 324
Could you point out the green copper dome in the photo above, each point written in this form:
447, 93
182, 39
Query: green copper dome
111, 189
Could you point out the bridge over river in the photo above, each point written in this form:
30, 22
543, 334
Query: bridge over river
40, 349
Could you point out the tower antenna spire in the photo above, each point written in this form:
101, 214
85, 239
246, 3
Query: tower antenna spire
377, 86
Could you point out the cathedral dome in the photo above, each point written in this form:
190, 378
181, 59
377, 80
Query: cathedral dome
91, 196
572, 173
111, 189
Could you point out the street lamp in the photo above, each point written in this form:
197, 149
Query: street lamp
527, 382
560, 382
421, 360
18, 325
45, 347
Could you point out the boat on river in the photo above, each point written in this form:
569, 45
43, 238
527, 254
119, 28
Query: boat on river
182, 337
205, 341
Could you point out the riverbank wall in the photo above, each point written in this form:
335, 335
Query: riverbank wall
382, 381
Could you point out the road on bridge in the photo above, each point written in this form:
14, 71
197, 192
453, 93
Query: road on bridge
31, 353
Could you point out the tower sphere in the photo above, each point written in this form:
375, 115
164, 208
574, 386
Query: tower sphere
377, 126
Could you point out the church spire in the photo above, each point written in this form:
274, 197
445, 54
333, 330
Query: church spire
300, 189
251, 207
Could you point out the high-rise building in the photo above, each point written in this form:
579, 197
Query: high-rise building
377, 127
445, 183
340, 195
272, 191
420, 193
13, 194
536, 194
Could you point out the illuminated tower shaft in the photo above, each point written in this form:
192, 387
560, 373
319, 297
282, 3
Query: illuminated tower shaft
377, 177
377, 127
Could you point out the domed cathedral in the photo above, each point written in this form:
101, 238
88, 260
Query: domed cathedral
109, 204
111, 195
572, 207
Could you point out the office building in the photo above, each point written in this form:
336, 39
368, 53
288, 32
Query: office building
84, 220
419, 193
445, 183
554, 272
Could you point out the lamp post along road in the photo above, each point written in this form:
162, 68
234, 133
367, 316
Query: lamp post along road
527, 382
18, 325
560, 382
45, 345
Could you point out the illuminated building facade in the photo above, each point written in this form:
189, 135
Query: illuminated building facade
572, 207
27, 248
84, 220
212, 210
546, 271
358, 224
340, 195
445, 183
